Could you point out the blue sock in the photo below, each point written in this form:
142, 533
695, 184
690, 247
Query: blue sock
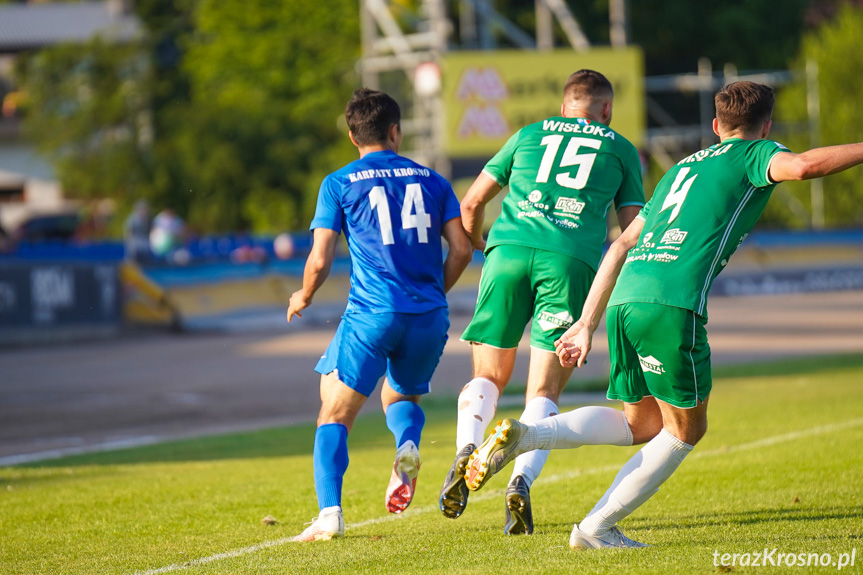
406, 420
331, 462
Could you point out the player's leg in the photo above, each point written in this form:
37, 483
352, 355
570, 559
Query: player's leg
477, 401
405, 418
546, 379
641, 477
592, 425
339, 407
416, 351
350, 369
560, 285
673, 354
503, 309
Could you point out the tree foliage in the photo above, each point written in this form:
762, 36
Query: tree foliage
269, 82
834, 48
227, 112
88, 109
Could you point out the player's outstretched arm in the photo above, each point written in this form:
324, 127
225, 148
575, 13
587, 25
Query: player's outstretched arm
815, 163
316, 271
481, 191
459, 252
574, 345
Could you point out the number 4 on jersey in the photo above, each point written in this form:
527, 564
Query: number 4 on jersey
419, 219
678, 192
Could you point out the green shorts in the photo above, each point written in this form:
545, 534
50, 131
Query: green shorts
519, 284
658, 350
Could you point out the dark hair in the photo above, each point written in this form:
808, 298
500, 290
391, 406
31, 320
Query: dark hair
744, 105
587, 83
370, 114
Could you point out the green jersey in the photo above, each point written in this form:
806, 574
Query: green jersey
701, 211
563, 175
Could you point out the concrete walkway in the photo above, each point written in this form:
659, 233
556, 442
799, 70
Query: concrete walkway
144, 388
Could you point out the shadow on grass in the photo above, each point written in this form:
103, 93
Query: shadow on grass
749, 517
370, 430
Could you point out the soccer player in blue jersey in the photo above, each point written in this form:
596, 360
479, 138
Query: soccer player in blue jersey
393, 213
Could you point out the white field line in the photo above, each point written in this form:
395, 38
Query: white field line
765, 442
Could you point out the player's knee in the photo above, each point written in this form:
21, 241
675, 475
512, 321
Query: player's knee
645, 422
644, 430
335, 414
690, 431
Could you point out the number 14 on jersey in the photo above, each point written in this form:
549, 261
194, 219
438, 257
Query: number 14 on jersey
414, 215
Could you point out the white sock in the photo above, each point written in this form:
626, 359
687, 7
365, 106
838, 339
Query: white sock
529, 465
583, 426
477, 404
637, 481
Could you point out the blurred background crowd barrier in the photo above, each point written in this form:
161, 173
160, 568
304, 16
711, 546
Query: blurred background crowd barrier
57, 290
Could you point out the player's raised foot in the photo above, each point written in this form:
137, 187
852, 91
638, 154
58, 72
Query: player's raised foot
613, 538
519, 517
330, 523
495, 453
403, 481
453, 494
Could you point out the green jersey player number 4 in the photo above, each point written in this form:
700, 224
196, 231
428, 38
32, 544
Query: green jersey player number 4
701, 211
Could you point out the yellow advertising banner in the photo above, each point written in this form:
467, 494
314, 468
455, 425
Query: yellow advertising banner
488, 96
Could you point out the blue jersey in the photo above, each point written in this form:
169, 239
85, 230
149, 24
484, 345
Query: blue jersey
392, 211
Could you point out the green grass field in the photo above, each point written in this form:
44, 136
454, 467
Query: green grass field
781, 467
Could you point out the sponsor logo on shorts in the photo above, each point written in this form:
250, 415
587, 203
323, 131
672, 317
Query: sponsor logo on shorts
569, 205
548, 321
674, 236
651, 364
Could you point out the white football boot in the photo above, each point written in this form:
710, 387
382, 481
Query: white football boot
403, 481
329, 524
613, 538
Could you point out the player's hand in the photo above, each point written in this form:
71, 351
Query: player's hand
298, 302
574, 345
479, 245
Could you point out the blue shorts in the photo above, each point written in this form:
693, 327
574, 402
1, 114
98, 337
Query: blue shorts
405, 346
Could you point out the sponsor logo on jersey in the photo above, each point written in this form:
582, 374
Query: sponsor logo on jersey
527, 205
651, 257
674, 236
645, 243
651, 364
548, 321
569, 205
535, 196
532, 214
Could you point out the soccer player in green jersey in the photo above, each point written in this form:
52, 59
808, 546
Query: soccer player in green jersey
655, 279
564, 174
